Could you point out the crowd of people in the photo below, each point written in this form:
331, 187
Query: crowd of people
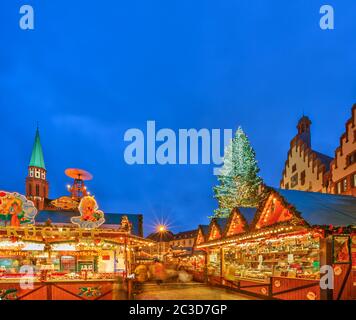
159, 273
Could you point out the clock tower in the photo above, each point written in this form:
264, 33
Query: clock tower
36, 181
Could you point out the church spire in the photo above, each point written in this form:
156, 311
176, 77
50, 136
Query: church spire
37, 186
37, 159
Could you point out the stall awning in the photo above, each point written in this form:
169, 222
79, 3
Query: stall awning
322, 209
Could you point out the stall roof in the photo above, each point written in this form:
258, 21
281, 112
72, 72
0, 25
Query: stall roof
205, 228
321, 208
222, 222
248, 213
63, 217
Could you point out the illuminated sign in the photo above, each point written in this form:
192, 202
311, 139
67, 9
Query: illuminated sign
31, 232
16, 210
63, 247
90, 217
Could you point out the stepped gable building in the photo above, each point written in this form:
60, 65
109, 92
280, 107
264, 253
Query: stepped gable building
305, 169
343, 167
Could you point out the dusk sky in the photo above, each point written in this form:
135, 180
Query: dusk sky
90, 70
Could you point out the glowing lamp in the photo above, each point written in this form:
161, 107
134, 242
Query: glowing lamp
161, 228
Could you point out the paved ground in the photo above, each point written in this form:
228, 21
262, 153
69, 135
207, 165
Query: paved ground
189, 292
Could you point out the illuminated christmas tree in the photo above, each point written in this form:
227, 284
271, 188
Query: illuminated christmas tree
238, 180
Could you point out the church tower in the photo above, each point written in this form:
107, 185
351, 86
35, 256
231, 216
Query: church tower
36, 181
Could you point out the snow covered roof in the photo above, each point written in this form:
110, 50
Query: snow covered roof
322, 209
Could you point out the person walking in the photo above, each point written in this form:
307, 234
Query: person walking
159, 271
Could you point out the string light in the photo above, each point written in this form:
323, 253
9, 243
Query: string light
254, 236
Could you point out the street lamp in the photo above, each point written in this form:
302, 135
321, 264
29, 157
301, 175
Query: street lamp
161, 229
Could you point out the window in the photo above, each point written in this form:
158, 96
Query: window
30, 189
287, 186
344, 185
31, 173
294, 180
354, 181
351, 159
43, 176
37, 190
294, 168
302, 178
338, 188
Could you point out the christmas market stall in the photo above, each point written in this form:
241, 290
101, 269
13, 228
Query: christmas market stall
190, 259
81, 255
221, 228
294, 242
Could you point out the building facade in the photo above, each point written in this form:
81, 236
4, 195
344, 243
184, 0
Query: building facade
168, 243
305, 169
162, 243
184, 239
343, 167
308, 170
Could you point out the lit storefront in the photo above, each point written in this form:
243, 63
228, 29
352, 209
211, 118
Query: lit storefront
280, 253
62, 261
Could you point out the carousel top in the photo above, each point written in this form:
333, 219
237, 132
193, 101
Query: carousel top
78, 174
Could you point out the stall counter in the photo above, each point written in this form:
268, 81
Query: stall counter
64, 289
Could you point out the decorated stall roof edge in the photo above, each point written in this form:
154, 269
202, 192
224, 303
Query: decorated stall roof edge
322, 208
314, 208
64, 217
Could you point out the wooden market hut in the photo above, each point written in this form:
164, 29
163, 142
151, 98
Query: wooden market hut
202, 233
278, 251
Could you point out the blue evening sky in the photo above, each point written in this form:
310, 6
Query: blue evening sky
92, 69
